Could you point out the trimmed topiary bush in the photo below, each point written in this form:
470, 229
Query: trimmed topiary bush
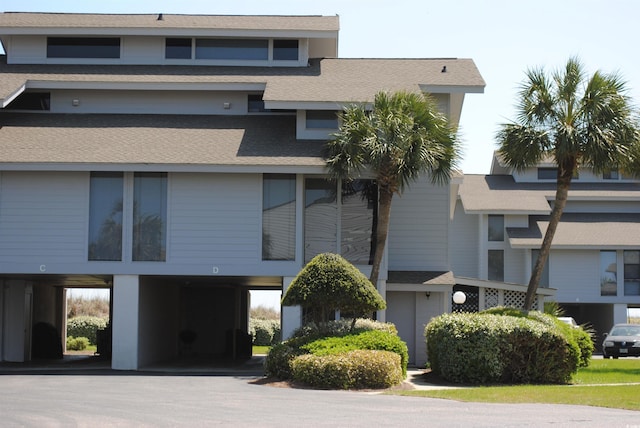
487, 348
353, 369
77, 343
85, 326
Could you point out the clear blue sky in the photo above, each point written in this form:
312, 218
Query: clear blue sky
503, 37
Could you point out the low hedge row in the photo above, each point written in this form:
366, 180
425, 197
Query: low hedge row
264, 332
336, 343
77, 343
482, 348
85, 326
353, 369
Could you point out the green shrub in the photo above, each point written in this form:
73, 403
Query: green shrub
490, 348
367, 340
353, 369
264, 332
278, 360
342, 327
77, 343
85, 326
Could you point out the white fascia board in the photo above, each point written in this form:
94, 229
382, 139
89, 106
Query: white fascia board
507, 212
595, 246
452, 89
14, 95
502, 285
150, 86
168, 32
442, 288
239, 169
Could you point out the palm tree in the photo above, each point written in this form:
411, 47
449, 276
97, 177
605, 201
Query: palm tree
403, 136
575, 121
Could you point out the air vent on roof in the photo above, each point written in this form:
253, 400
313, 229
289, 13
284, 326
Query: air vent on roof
160, 17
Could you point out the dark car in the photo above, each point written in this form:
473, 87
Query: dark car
622, 341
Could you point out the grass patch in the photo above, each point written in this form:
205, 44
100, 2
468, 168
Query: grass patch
261, 350
605, 383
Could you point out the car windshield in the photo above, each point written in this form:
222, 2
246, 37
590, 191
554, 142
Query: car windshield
628, 330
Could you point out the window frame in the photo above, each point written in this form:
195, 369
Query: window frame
84, 47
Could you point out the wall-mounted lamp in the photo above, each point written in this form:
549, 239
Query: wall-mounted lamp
459, 297
428, 294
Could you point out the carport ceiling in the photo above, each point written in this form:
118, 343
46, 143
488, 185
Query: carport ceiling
263, 282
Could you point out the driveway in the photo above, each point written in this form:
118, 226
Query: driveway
159, 400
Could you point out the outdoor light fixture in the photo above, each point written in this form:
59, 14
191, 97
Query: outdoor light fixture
459, 297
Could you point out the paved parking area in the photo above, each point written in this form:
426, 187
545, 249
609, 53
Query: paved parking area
104, 399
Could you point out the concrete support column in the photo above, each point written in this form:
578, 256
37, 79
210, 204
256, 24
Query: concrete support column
125, 322
620, 313
382, 289
291, 316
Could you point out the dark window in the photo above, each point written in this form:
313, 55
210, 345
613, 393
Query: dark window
547, 173
608, 273
105, 216
612, 174
496, 265
278, 217
31, 101
632, 273
83, 47
242, 49
149, 216
285, 50
177, 48
496, 228
322, 119
255, 104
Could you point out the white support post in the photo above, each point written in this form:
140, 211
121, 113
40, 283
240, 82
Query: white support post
124, 322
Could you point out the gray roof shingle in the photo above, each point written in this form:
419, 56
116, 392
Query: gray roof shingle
154, 139
601, 231
16, 20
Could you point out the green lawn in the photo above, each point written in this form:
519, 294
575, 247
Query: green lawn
261, 350
605, 383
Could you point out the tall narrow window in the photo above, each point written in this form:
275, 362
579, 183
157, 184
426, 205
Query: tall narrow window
149, 216
496, 228
320, 217
359, 205
278, 217
608, 273
632, 273
105, 216
544, 278
285, 50
495, 270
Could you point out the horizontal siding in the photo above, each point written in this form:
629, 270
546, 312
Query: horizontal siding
418, 229
215, 218
576, 276
464, 245
43, 217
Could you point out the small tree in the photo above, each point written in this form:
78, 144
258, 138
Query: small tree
328, 283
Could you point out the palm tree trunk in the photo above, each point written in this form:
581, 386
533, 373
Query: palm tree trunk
382, 230
562, 191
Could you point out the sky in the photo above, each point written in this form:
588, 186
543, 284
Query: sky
503, 37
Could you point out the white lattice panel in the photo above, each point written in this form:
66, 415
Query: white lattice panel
491, 298
514, 299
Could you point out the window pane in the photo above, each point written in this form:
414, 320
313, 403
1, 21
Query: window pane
285, 50
612, 174
632, 257
547, 173
358, 219
83, 47
149, 216
608, 273
320, 217
279, 217
496, 265
544, 278
322, 119
245, 49
105, 216
496, 228
177, 48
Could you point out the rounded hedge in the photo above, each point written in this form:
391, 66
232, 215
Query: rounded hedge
85, 326
353, 369
487, 348
77, 343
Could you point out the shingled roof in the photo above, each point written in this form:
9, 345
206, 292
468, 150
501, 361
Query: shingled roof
339, 81
12, 22
90, 139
